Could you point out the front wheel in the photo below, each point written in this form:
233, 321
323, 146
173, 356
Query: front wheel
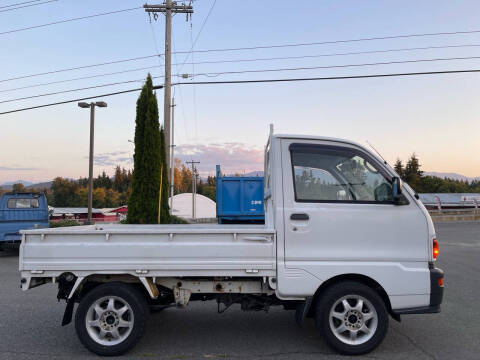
352, 318
110, 319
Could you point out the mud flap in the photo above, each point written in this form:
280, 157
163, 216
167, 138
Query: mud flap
302, 310
67, 315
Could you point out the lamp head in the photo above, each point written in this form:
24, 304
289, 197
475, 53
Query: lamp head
83, 105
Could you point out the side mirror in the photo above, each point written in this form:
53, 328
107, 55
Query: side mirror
396, 187
397, 190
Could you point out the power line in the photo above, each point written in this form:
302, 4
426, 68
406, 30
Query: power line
79, 67
198, 35
79, 99
333, 54
260, 81
78, 78
249, 71
238, 49
19, 4
215, 62
180, 93
69, 90
328, 78
69, 20
194, 90
154, 38
341, 66
25, 6
347, 40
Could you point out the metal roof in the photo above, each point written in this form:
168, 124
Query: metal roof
449, 198
74, 210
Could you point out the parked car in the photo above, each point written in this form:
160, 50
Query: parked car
343, 242
21, 211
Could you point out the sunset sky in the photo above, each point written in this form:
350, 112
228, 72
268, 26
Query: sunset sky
437, 117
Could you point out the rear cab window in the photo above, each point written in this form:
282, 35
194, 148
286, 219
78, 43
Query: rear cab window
324, 173
23, 203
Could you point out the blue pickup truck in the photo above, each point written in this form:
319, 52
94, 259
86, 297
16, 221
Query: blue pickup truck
21, 211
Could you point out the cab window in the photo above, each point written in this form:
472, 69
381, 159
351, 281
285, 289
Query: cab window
336, 174
22, 203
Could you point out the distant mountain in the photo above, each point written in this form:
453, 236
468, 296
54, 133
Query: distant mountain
10, 183
453, 176
43, 185
28, 185
254, 173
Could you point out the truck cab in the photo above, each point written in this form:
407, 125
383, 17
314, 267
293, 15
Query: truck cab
342, 212
21, 211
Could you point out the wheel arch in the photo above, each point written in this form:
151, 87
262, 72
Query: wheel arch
363, 279
81, 285
74, 290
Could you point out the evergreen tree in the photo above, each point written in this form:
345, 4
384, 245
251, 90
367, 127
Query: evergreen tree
398, 167
118, 181
147, 160
413, 174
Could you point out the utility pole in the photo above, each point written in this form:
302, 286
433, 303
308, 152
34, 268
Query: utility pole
172, 163
168, 7
194, 184
195, 196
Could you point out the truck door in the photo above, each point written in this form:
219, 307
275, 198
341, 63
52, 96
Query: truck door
340, 217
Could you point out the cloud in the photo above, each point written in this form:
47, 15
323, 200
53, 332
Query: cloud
9, 168
112, 158
232, 156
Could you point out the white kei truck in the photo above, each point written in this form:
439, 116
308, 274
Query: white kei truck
343, 242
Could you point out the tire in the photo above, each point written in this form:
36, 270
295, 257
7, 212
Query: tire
352, 318
110, 319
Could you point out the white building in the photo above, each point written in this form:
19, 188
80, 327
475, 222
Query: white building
205, 207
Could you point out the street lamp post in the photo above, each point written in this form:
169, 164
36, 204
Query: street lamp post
90, 158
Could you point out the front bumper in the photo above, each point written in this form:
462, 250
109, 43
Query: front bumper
436, 294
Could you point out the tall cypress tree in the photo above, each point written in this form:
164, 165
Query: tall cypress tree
143, 202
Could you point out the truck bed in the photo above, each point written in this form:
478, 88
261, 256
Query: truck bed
153, 250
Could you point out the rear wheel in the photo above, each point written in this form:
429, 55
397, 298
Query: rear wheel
352, 318
110, 319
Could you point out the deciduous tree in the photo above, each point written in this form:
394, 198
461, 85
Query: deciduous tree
18, 188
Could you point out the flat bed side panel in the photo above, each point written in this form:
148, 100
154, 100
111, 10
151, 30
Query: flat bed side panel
154, 251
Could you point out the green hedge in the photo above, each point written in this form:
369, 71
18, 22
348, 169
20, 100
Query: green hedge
62, 223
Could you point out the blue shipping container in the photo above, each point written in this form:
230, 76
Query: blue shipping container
239, 199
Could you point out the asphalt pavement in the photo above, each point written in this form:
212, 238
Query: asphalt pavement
30, 321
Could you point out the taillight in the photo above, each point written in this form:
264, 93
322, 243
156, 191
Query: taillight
436, 250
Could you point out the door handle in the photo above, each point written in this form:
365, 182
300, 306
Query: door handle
258, 238
299, 216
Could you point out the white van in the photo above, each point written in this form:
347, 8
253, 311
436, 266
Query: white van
343, 243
